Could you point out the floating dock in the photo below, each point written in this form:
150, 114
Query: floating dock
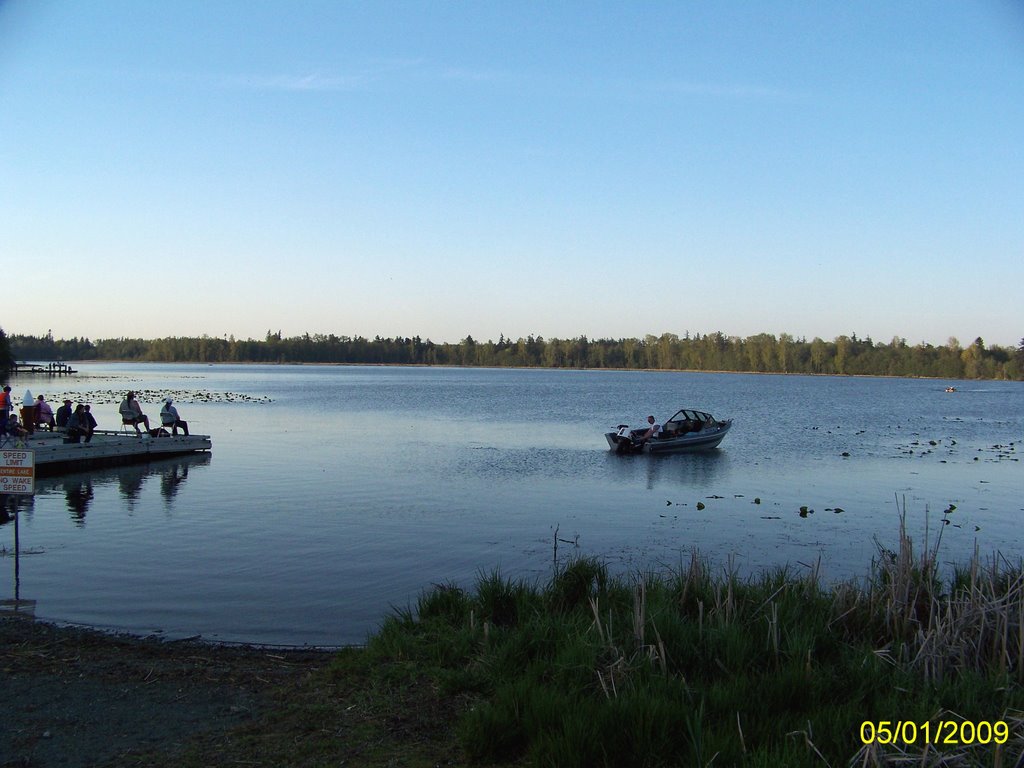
107, 448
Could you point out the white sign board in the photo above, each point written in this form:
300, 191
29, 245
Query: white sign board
17, 471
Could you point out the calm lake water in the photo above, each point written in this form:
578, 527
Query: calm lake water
335, 493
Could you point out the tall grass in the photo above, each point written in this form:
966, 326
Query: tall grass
694, 667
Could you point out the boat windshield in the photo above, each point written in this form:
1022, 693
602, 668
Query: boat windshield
687, 420
688, 414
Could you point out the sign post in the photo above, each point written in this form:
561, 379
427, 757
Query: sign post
18, 475
18, 471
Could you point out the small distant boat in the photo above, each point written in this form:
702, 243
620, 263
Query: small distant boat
687, 430
951, 389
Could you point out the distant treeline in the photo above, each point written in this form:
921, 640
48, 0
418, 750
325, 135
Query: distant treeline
764, 352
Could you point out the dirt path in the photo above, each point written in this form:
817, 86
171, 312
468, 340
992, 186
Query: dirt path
73, 697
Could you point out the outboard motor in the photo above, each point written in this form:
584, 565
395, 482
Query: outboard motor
624, 439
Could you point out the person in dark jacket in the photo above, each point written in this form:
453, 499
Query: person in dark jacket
78, 425
63, 415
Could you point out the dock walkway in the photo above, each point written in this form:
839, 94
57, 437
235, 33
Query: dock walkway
107, 448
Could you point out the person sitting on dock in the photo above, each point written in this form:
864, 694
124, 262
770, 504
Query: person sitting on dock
78, 425
169, 418
63, 415
90, 420
44, 413
14, 427
131, 413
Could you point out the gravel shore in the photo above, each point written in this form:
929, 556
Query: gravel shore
74, 697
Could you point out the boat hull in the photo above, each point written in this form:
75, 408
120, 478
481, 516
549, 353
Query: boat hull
705, 440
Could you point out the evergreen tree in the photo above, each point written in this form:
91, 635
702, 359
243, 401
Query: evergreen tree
6, 359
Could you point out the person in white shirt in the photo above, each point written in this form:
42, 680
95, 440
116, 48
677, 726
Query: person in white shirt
169, 418
653, 431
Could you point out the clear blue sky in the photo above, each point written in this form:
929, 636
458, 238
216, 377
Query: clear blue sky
441, 169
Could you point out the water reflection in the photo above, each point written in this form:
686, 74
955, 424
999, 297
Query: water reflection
688, 469
129, 483
672, 470
78, 496
80, 488
11, 504
172, 478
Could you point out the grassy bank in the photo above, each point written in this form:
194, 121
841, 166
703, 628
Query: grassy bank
691, 668
695, 667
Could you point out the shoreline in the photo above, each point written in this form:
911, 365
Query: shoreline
76, 697
498, 368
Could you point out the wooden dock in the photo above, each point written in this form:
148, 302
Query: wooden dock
45, 369
107, 448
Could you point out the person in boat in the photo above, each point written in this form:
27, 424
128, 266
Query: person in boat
169, 417
78, 425
44, 413
131, 413
63, 415
652, 432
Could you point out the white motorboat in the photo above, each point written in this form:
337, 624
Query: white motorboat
687, 430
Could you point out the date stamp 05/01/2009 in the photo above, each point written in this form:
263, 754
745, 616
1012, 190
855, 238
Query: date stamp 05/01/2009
952, 732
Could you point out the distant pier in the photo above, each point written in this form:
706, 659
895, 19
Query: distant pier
46, 369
